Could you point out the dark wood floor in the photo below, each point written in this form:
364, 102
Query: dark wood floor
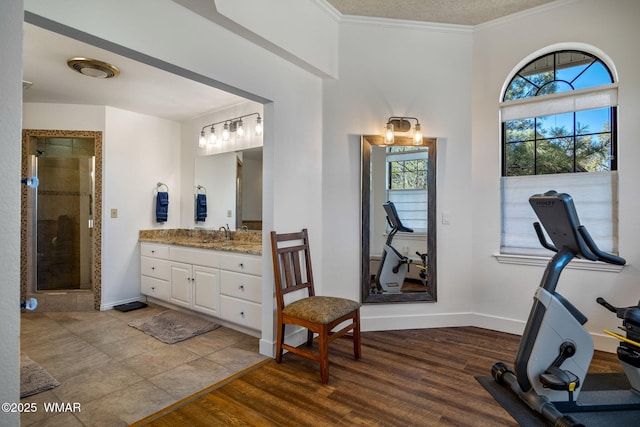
405, 378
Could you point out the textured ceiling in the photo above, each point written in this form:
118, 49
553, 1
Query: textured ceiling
462, 12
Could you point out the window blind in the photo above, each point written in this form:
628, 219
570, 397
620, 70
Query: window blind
412, 208
540, 106
594, 195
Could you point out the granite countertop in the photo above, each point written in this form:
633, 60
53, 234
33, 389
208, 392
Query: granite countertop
246, 242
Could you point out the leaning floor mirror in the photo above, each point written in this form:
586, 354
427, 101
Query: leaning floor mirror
398, 250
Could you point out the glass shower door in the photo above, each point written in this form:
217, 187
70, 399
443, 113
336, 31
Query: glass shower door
64, 210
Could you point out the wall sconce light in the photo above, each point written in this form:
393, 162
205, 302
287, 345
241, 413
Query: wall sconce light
229, 126
402, 124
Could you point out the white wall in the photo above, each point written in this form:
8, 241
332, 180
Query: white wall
503, 293
393, 69
10, 122
138, 152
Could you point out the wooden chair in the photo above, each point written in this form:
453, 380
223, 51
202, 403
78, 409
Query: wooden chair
319, 314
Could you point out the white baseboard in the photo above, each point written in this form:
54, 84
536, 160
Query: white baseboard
601, 342
295, 338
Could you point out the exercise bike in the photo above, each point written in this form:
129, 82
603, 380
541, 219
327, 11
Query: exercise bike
555, 350
393, 265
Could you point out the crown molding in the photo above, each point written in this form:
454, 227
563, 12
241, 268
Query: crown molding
406, 24
525, 13
328, 8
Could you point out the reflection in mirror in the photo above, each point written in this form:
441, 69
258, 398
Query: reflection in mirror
398, 230
232, 182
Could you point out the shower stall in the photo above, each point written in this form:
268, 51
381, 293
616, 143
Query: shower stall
64, 213
58, 219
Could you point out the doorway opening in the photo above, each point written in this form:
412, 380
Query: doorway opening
61, 220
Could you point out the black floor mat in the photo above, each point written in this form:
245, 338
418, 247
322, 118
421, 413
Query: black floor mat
130, 306
526, 417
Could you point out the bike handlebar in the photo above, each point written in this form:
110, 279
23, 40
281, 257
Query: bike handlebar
596, 253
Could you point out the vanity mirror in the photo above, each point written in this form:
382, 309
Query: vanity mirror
232, 183
398, 255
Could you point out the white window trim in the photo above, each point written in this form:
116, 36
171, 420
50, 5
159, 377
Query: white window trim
541, 261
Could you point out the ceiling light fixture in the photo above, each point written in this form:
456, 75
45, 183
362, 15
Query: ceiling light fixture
402, 124
93, 68
230, 125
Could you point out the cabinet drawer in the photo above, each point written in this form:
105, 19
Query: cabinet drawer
241, 286
194, 256
155, 267
241, 263
241, 312
154, 251
155, 288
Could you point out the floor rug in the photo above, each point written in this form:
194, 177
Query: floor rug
34, 378
173, 326
527, 417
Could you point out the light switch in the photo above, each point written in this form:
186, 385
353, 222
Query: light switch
114, 213
229, 213
445, 218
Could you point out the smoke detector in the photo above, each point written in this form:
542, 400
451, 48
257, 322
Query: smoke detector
93, 68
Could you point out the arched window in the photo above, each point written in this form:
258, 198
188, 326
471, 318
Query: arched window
559, 123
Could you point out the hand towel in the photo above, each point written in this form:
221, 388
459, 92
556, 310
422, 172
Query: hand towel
162, 206
201, 207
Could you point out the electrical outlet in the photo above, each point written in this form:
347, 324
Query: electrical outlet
114, 213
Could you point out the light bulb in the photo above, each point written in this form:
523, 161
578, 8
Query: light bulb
203, 139
212, 137
225, 132
240, 129
417, 135
259, 126
389, 137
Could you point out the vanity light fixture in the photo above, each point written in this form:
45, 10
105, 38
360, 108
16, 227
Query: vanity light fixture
229, 126
402, 124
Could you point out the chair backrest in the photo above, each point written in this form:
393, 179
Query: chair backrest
291, 264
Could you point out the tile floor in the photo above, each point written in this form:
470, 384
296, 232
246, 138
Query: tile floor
118, 374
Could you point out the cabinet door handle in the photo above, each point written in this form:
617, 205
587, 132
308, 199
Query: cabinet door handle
153, 252
242, 287
242, 313
153, 268
241, 265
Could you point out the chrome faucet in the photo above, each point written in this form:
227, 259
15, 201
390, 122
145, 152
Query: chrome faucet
227, 232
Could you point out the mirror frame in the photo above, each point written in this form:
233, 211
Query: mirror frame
367, 141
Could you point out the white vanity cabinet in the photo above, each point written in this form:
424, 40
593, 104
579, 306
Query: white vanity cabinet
226, 285
195, 279
155, 271
240, 289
